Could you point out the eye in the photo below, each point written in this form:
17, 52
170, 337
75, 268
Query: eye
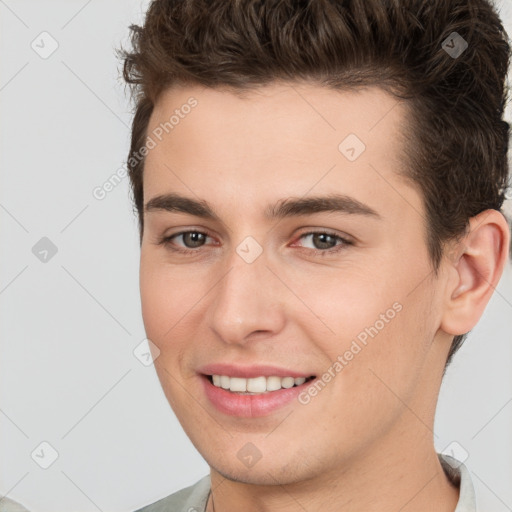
325, 241
191, 239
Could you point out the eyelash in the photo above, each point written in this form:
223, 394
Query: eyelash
167, 242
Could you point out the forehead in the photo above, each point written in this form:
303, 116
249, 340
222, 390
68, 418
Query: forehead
312, 112
283, 138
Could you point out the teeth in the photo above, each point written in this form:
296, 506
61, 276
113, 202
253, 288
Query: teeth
273, 383
287, 382
224, 382
238, 384
255, 385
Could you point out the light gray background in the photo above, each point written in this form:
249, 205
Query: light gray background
68, 375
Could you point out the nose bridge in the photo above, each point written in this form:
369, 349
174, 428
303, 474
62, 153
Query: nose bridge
246, 299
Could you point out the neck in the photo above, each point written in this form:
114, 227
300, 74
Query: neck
409, 479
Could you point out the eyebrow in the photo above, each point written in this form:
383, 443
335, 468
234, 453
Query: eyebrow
289, 207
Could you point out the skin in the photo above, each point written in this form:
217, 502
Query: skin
370, 429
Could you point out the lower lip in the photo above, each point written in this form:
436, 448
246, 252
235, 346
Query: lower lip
250, 406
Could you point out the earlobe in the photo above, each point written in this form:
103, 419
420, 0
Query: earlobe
475, 272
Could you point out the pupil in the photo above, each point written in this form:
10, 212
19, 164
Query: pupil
194, 237
323, 236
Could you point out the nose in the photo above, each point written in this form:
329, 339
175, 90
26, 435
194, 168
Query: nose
248, 302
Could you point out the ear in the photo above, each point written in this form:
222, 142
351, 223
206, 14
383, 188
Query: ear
474, 272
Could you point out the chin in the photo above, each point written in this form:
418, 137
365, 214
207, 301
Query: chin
263, 476
272, 472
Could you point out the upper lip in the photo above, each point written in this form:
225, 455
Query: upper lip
250, 371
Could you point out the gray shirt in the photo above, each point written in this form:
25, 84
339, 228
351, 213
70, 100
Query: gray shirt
7, 505
194, 498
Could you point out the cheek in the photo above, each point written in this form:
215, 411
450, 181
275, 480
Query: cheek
172, 302
166, 306
164, 299
387, 358
343, 303
153, 300
370, 321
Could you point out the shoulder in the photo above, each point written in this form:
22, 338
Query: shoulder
460, 477
189, 499
7, 505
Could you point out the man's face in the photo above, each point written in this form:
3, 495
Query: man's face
346, 293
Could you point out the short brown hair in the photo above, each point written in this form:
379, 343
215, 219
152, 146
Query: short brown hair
458, 140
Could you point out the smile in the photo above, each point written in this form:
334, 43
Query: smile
256, 385
252, 397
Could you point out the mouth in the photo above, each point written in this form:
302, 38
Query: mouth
254, 396
261, 385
